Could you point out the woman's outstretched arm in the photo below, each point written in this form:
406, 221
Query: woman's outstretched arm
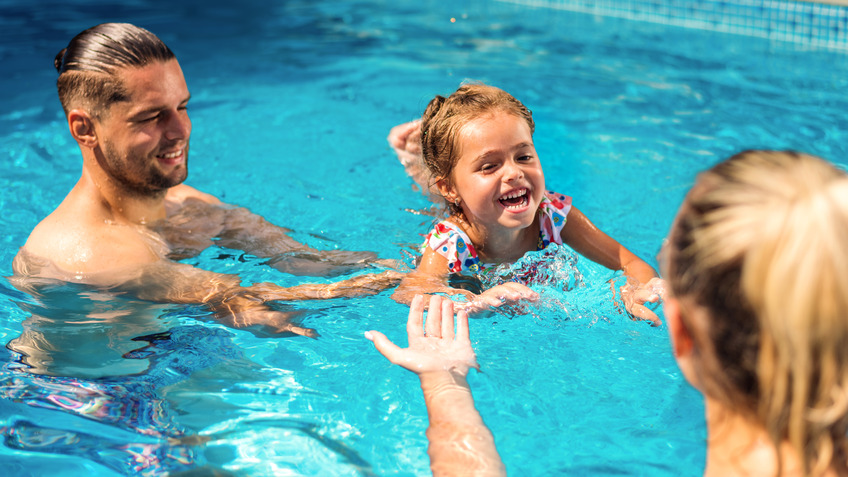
441, 356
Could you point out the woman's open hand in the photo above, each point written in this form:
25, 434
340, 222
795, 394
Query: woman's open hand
435, 345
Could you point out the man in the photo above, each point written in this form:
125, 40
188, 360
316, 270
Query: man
130, 215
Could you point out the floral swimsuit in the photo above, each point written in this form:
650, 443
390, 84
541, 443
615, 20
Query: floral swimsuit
449, 241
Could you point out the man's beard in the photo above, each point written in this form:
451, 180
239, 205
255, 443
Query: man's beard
137, 175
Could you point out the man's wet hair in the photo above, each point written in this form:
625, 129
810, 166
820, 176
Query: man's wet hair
88, 67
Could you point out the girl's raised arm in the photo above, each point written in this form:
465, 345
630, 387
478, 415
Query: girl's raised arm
643, 284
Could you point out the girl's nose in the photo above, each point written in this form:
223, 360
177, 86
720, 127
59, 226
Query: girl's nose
512, 171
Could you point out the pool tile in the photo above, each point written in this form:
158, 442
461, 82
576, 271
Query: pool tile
808, 23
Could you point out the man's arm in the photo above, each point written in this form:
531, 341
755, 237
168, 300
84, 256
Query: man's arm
240, 229
124, 258
460, 442
243, 306
250, 232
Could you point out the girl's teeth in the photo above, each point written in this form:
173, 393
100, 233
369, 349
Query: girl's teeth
514, 194
521, 194
523, 203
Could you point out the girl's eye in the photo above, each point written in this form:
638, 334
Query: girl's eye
487, 167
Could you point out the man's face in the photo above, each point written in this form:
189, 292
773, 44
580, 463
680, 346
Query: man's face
144, 141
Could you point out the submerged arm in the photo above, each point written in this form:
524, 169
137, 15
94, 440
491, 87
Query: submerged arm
441, 356
243, 306
244, 230
132, 267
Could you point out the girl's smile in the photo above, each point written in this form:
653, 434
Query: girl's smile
516, 200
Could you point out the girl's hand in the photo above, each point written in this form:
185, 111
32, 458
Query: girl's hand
405, 139
434, 347
635, 294
506, 293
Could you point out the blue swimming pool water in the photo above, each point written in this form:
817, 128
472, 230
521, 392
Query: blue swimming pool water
291, 103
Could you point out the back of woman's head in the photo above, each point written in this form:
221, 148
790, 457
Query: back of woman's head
444, 118
88, 66
761, 244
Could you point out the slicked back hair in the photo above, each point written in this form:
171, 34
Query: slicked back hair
88, 67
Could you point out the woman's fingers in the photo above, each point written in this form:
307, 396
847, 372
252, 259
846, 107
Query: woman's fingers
385, 346
462, 333
415, 323
447, 320
433, 326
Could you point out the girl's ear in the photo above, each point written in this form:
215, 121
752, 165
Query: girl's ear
82, 127
447, 190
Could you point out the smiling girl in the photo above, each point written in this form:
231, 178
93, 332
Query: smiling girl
477, 145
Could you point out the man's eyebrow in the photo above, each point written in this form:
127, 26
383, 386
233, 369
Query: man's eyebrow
156, 109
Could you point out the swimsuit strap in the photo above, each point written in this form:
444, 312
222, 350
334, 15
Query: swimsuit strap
553, 210
450, 241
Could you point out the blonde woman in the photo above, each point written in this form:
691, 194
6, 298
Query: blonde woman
757, 272
756, 265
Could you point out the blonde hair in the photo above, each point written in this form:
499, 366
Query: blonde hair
444, 118
762, 244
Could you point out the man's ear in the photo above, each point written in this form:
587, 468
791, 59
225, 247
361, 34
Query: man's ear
447, 190
82, 127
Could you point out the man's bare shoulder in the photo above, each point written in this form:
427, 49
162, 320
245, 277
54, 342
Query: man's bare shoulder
182, 192
87, 245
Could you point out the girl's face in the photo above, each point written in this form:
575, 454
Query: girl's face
498, 177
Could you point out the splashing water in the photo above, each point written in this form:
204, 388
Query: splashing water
569, 288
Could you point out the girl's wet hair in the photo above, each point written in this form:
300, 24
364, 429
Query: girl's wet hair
88, 66
444, 118
761, 244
